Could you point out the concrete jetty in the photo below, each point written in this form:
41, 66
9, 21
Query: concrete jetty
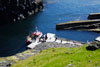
79, 25
94, 16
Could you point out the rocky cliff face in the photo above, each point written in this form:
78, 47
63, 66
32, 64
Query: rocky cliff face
14, 10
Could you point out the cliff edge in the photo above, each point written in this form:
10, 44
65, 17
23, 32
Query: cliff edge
14, 10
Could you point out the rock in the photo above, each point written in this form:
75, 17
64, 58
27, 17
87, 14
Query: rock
93, 45
90, 61
69, 65
47, 45
24, 56
5, 64
13, 59
14, 10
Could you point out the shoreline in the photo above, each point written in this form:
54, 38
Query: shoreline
11, 60
38, 48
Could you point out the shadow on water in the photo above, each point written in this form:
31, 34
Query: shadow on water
13, 35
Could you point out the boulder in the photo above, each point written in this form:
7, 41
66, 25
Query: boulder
5, 64
93, 45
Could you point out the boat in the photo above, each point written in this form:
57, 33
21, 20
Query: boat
33, 39
37, 37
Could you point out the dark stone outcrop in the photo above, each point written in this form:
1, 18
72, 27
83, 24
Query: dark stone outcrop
94, 16
14, 10
94, 45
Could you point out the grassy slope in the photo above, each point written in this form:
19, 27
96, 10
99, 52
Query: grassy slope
61, 57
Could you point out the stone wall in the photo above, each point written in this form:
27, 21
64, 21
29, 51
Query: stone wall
88, 24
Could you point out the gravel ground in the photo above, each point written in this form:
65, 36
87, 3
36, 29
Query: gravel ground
46, 45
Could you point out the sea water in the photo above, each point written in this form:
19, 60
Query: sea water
13, 36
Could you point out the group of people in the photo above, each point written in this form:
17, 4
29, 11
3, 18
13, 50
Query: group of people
36, 37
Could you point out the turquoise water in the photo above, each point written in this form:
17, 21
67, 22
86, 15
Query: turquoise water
12, 36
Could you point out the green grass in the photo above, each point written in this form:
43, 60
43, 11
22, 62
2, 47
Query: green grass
2, 59
61, 57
